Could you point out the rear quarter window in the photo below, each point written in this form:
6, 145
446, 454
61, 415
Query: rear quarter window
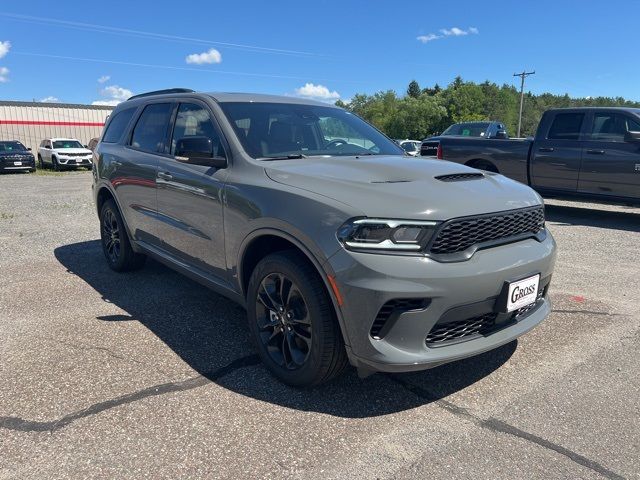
117, 125
566, 126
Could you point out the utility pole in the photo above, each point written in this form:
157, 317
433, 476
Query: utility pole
522, 77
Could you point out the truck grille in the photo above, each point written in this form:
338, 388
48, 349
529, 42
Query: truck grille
459, 234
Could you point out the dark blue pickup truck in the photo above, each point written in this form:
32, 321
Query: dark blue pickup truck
589, 152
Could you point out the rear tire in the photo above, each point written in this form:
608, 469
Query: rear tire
292, 321
115, 241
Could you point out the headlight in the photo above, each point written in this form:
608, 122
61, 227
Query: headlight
383, 234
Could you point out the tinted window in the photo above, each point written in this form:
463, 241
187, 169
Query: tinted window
471, 129
151, 129
566, 126
67, 144
612, 127
194, 126
12, 147
116, 126
281, 129
409, 147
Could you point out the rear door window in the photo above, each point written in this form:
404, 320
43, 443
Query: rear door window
566, 126
150, 131
612, 127
116, 126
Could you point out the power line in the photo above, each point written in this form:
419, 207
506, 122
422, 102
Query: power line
522, 76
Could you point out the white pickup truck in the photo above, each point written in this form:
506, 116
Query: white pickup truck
60, 153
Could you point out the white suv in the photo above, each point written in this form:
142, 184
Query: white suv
63, 153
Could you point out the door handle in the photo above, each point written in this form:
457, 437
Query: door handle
545, 149
558, 164
595, 152
165, 176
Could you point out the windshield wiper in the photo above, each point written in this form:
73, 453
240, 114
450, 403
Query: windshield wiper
293, 156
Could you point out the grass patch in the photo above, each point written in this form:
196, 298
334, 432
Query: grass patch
6, 216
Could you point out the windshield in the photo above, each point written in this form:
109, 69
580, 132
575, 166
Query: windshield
475, 129
12, 147
67, 144
275, 130
409, 146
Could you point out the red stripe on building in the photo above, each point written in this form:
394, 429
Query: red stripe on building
59, 124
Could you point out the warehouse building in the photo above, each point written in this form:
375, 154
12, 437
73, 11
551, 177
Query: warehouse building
31, 122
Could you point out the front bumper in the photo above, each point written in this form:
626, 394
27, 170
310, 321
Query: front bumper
369, 281
10, 165
75, 162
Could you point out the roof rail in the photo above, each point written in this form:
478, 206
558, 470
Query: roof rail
160, 92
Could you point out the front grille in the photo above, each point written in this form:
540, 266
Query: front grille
464, 328
460, 234
429, 149
458, 177
75, 154
394, 308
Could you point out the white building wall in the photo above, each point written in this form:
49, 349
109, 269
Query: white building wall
30, 123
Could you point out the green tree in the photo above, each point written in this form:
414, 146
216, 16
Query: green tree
413, 90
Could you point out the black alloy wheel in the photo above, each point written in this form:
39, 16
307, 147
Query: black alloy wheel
293, 322
283, 321
115, 242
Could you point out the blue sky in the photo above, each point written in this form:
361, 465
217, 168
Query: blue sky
83, 52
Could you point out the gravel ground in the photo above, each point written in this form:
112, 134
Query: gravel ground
149, 375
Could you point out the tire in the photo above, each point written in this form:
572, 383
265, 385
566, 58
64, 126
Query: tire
40, 163
115, 241
55, 165
300, 343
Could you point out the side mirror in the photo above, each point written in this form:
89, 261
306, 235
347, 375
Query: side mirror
198, 151
502, 134
85, 146
47, 147
29, 148
632, 137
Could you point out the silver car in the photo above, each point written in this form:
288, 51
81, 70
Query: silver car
341, 248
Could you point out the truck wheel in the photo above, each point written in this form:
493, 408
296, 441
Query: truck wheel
115, 241
292, 321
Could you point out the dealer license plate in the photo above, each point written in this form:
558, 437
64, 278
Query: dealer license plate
17, 164
523, 292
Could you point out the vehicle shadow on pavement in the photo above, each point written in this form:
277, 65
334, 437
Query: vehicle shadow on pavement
209, 333
615, 220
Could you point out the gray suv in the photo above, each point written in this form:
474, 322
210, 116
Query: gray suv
341, 248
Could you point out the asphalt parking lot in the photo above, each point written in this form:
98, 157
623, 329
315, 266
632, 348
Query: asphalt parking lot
149, 375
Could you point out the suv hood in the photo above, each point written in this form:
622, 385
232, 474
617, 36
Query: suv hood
402, 187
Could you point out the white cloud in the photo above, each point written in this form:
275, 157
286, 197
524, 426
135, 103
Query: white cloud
114, 95
109, 103
4, 72
458, 32
4, 48
317, 92
50, 99
104, 79
428, 38
447, 32
211, 56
